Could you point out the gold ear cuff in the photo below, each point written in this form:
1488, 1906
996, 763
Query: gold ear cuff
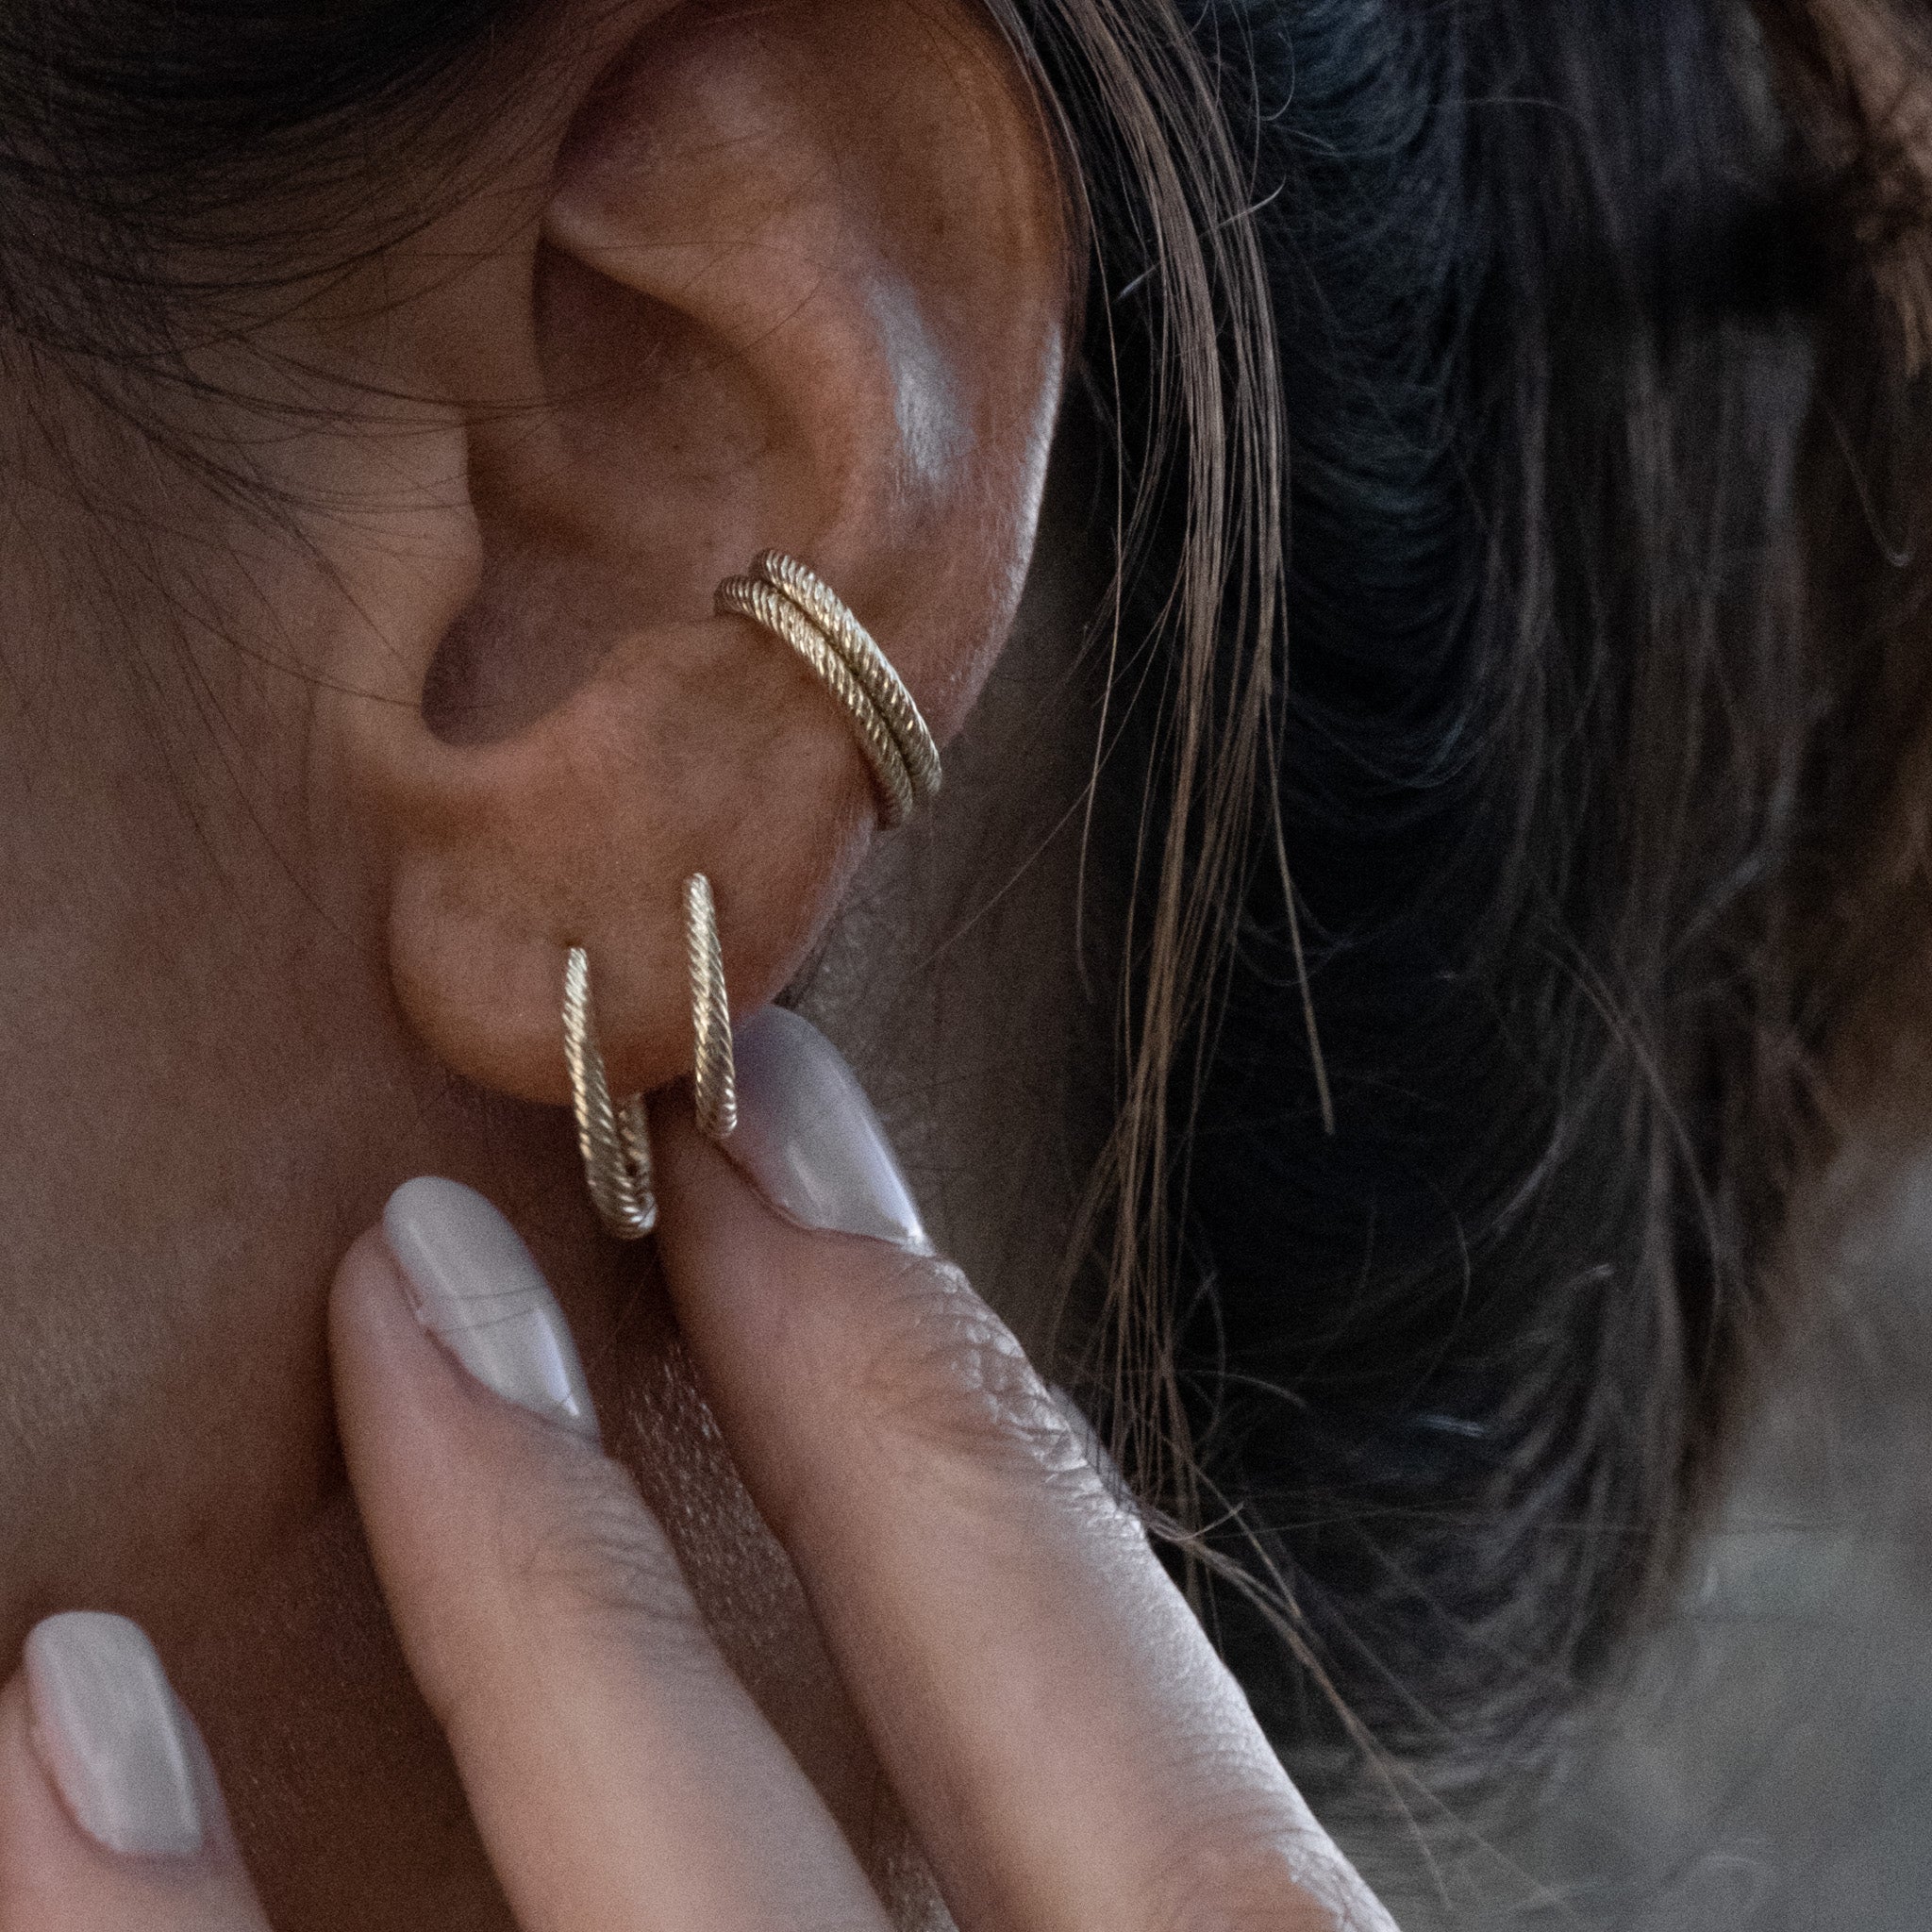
614, 1137
796, 605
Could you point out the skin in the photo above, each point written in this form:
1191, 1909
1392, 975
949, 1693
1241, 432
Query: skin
1065, 1743
299, 816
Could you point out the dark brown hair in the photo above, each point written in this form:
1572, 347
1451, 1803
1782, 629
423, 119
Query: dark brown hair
1593, 761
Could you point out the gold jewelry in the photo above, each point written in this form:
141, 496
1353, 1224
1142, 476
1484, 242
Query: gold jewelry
615, 1140
869, 664
714, 1088
771, 611
798, 608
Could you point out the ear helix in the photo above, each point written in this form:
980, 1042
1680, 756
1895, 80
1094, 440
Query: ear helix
796, 605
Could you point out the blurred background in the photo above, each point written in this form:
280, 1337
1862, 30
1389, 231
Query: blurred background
1769, 1765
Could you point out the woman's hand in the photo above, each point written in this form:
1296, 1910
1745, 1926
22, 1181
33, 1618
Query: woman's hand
1069, 1750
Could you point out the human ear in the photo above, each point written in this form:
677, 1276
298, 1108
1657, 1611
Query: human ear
801, 282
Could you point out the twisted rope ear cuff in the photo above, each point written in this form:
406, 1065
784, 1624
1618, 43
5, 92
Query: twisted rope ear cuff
796, 605
614, 1137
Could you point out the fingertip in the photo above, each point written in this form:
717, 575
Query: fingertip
822, 1345
372, 1333
112, 1736
809, 1141
368, 1282
110, 1811
445, 1263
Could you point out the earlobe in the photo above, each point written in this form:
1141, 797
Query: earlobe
802, 286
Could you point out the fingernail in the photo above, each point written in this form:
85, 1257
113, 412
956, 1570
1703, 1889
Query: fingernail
114, 1736
807, 1138
476, 1288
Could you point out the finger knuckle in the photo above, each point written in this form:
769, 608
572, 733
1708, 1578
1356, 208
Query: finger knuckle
943, 1372
575, 1572
600, 1560
919, 1387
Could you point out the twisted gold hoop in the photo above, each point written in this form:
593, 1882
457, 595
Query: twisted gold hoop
798, 607
771, 611
868, 663
714, 1085
614, 1138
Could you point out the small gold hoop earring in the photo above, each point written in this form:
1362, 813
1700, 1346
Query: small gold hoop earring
615, 1137
714, 1085
796, 605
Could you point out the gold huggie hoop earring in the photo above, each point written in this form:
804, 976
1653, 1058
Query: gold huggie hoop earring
615, 1139
714, 1087
796, 605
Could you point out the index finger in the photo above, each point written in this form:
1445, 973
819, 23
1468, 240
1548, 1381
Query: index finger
1070, 1749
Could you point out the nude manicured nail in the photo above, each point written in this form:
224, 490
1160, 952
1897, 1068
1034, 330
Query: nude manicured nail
114, 1736
474, 1286
807, 1138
